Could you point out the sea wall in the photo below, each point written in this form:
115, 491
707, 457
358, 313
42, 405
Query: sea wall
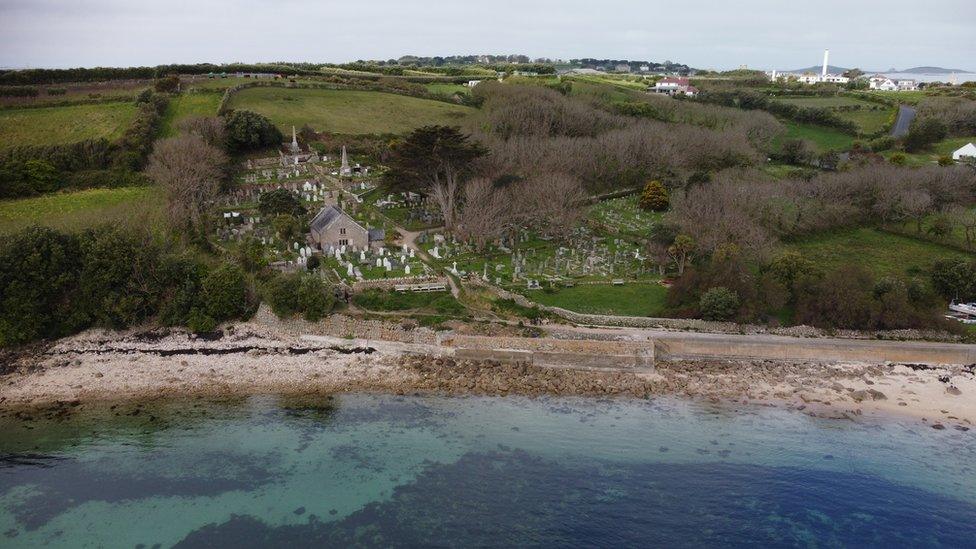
568, 353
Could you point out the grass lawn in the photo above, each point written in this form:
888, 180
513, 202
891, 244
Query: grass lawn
79, 210
823, 138
188, 105
880, 252
820, 101
68, 124
627, 300
386, 300
448, 88
346, 111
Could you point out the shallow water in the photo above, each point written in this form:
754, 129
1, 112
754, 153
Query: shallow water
479, 471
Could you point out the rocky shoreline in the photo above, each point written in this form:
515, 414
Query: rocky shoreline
100, 366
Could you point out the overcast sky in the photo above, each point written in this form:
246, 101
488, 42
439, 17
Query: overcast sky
782, 34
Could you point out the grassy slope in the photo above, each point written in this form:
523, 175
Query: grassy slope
881, 253
868, 120
349, 112
56, 125
188, 105
627, 300
823, 138
79, 210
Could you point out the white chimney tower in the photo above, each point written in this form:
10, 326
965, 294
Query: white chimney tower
823, 75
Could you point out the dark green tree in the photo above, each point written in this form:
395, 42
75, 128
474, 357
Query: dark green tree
280, 202
248, 130
434, 161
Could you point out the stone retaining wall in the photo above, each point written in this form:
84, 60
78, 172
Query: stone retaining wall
570, 353
389, 283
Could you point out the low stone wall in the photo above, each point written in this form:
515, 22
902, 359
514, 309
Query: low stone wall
571, 353
389, 283
782, 348
342, 326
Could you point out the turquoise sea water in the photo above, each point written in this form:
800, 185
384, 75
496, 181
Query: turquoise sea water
368, 470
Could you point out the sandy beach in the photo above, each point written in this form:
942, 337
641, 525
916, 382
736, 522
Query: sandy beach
98, 366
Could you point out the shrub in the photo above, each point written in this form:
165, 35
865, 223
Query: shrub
955, 279
898, 159
719, 303
167, 84
299, 293
946, 160
38, 274
924, 132
654, 197
280, 201
225, 293
248, 130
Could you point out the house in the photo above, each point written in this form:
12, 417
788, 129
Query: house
965, 153
473, 83
333, 228
883, 83
674, 85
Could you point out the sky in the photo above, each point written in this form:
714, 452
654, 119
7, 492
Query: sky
765, 34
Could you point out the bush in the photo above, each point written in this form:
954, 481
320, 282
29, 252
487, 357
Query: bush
946, 160
167, 84
299, 293
654, 197
225, 293
38, 275
955, 279
248, 130
898, 159
280, 201
719, 303
925, 132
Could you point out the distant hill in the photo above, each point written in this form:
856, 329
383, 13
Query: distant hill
931, 70
816, 69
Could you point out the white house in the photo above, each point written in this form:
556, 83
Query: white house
883, 83
966, 152
673, 85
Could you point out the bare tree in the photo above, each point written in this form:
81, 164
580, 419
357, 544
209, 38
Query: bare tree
486, 213
209, 128
190, 170
916, 204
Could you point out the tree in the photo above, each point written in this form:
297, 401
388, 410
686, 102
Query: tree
190, 170
680, 251
287, 227
295, 293
225, 293
796, 151
38, 275
210, 128
248, 130
955, 279
280, 202
719, 303
654, 197
923, 132
435, 161
167, 84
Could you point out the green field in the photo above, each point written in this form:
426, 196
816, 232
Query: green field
188, 105
821, 101
869, 119
823, 138
58, 125
880, 252
345, 111
448, 88
126, 206
627, 300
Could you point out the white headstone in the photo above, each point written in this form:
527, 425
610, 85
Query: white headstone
406, 269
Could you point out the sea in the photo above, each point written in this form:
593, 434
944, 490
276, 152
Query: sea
358, 470
958, 77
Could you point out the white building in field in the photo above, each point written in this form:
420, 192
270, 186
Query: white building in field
674, 85
966, 152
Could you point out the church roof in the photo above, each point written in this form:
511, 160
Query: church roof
327, 216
